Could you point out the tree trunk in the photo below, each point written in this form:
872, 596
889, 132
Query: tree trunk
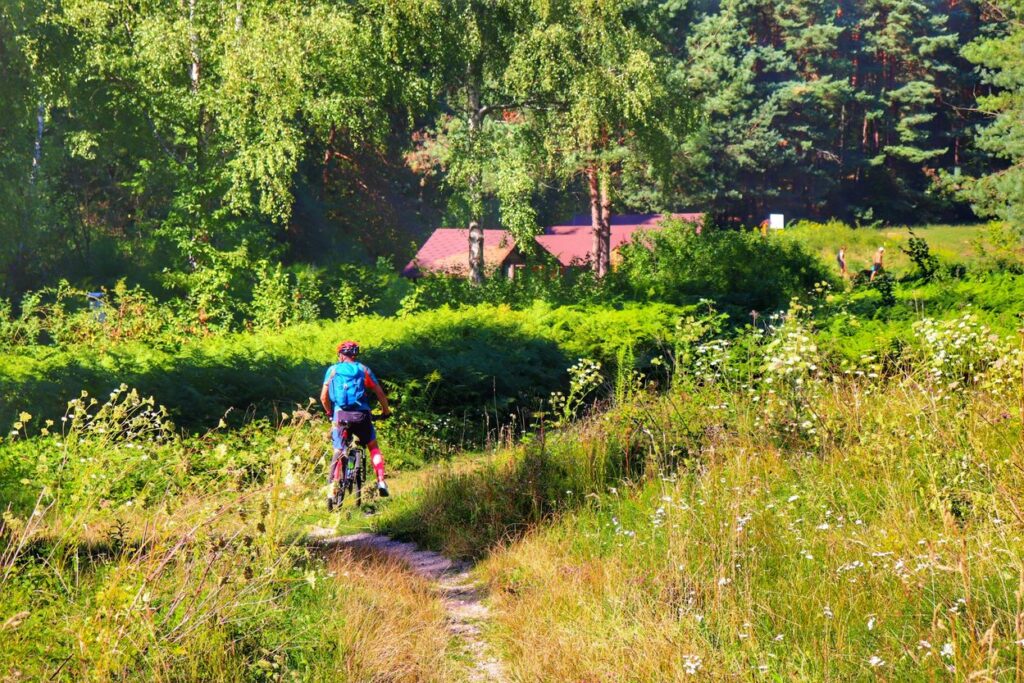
37, 150
598, 223
603, 256
193, 47
476, 252
194, 76
476, 233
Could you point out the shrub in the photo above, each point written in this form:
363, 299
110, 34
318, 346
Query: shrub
918, 251
281, 297
739, 270
487, 360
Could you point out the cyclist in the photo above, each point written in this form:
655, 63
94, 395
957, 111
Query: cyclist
344, 398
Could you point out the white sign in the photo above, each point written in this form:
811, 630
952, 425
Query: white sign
776, 221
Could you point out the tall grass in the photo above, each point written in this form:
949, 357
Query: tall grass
794, 521
140, 555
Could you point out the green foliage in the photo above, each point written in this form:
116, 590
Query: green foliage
807, 111
885, 283
918, 251
280, 298
1000, 248
486, 359
741, 270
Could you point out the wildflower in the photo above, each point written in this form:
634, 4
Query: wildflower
871, 624
876, 661
947, 650
828, 612
691, 664
793, 498
724, 581
778, 638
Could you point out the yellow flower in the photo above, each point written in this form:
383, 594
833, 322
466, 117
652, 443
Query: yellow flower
24, 417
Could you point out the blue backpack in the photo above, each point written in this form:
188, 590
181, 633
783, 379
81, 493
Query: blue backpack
347, 387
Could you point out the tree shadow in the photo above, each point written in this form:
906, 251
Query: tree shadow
464, 515
473, 368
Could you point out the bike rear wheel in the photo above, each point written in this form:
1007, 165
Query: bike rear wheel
359, 475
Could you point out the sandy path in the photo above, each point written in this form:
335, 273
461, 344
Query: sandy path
460, 594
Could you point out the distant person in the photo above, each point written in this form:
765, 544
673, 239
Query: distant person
876, 265
344, 398
841, 260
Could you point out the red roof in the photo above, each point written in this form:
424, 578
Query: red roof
572, 244
447, 251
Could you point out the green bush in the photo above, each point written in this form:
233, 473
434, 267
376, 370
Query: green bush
737, 270
485, 360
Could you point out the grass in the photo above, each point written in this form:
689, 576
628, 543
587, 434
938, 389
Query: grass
143, 555
965, 244
764, 563
837, 498
840, 528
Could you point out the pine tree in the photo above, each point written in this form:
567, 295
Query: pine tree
1001, 193
822, 108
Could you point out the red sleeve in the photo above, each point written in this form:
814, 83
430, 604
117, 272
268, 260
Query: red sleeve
369, 378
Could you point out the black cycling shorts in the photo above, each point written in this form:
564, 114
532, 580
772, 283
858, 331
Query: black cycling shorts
358, 423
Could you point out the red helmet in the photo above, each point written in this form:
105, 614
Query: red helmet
348, 348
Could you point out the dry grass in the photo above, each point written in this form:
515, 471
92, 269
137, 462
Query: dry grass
394, 626
891, 548
211, 581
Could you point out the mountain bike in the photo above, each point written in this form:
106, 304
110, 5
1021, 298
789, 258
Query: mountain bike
349, 471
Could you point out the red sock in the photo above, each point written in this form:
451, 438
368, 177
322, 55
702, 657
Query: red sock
378, 462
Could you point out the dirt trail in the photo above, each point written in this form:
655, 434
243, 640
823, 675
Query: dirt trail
460, 594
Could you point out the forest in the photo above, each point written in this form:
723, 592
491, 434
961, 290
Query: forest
158, 141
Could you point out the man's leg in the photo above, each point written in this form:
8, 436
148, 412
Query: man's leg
336, 469
377, 459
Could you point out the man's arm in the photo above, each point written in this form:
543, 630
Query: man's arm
379, 393
373, 385
325, 399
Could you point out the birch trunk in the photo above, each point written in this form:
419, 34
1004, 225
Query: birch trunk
476, 233
603, 255
596, 217
37, 149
